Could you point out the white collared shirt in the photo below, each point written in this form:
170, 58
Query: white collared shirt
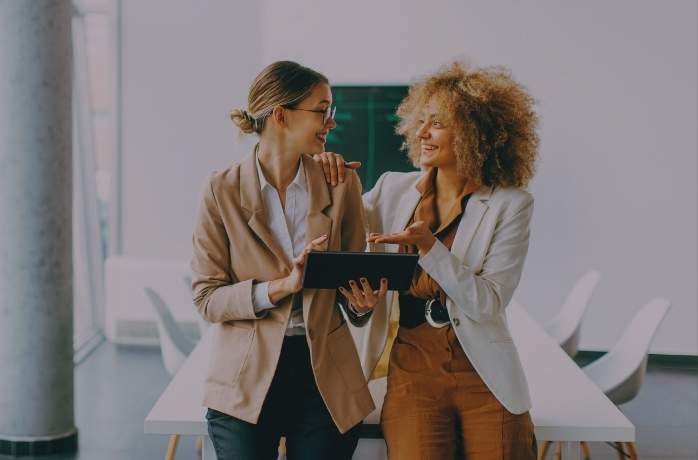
288, 226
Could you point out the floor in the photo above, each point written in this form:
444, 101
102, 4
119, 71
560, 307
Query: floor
116, 387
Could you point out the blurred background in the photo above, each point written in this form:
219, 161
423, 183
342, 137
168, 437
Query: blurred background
616, 189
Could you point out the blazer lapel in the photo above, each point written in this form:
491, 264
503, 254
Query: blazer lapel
251, 201
319, 199
404, 212
318, 223
474, 211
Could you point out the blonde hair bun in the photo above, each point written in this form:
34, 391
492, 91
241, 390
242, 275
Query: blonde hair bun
243, 120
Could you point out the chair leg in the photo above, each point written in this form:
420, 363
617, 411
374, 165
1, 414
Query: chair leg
172, 447
621, 451
558, 451
543, 450
585, 450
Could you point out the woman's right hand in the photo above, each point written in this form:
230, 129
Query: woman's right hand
334, 166
278, 289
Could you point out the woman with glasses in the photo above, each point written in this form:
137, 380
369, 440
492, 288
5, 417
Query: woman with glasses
282, 362
455, 385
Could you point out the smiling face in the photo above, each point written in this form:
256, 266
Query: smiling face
435, 137
307, 131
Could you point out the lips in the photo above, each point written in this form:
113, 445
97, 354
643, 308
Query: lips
322, 137
429, 147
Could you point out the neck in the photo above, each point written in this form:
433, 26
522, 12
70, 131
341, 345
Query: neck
449, 183
279, 166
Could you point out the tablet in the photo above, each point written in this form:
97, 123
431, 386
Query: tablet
330, 270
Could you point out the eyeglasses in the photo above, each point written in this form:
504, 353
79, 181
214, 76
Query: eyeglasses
327, 114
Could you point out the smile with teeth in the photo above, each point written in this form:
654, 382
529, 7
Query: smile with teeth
429, 147
322, 137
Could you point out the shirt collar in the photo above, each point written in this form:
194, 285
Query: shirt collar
299, 180
426, 184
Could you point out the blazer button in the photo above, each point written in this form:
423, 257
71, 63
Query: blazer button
456, 322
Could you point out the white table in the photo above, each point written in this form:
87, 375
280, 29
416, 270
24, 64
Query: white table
567, 406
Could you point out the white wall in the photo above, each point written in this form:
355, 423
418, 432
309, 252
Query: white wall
616, 85
185, 65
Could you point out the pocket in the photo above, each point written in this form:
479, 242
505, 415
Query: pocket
345, 358
229, 352
406, 357
212, 415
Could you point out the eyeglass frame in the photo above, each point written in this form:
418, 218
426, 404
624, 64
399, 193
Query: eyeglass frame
327, 114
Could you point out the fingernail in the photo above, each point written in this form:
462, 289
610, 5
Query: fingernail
383, 280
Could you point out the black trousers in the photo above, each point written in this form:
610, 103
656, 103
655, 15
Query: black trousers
293, 408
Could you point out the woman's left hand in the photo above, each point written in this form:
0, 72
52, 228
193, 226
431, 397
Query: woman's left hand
417, 234
334, 166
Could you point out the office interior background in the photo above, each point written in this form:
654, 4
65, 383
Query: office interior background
153, 82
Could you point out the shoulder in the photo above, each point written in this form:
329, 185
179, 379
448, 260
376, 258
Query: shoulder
398, 180
223, 178
510, 199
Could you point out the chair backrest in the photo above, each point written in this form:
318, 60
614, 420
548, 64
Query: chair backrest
565, 327
621, 371
174, 343
202, 323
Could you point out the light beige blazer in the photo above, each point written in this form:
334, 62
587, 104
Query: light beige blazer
233, 249
478, 275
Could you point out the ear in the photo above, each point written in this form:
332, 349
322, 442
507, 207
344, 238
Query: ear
279, 116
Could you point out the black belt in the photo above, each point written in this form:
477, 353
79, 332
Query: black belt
415, 311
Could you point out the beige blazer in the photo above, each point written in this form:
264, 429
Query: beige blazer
479, 275
233, 249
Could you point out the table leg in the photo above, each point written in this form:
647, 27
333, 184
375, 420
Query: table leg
571, 450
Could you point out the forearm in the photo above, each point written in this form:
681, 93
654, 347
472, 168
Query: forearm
279, 289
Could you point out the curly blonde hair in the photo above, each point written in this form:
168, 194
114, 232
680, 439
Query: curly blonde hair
492, 118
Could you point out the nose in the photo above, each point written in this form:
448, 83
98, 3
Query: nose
331, 124
423, 131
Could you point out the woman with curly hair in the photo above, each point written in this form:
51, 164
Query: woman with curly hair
455, 385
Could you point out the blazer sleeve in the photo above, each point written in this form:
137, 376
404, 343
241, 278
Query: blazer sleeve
484, 294
371, 201
218, 295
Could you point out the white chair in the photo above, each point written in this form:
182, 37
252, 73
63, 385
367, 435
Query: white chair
565, 326
620, 372
175, 347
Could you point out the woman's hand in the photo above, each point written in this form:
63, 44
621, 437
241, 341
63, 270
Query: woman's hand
417, 234
278, 289
334, 166
362, 296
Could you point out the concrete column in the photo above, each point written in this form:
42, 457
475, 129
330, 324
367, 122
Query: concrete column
36, 271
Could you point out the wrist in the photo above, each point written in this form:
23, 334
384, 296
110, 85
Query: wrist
279, 288
424, 248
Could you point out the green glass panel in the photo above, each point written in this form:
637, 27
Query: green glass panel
365, 129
